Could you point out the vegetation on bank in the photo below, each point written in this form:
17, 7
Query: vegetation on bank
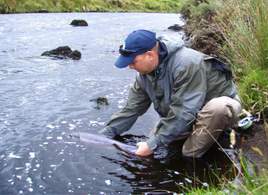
24, 6
237, 32
251, 183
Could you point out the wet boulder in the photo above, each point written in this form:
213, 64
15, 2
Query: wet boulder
63, 52
79, 23
43, 11
176, 27
100, 101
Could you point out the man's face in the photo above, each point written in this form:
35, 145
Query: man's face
145, 63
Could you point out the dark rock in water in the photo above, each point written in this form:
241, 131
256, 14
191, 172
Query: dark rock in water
101, 101
63, 53
175, 27
79, 23
75, 55
42, 11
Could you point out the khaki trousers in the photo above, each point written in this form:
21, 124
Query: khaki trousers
216, 116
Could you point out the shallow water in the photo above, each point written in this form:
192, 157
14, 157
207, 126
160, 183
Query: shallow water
43, 100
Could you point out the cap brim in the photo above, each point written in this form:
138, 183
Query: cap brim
124, 61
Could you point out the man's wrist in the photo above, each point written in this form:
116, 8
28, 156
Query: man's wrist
153, 142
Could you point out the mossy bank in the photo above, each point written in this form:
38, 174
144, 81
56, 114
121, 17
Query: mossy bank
16, 6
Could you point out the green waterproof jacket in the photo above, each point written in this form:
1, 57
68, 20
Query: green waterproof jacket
185, 80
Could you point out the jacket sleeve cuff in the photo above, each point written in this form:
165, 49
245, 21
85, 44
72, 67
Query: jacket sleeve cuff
108, 132
153, 142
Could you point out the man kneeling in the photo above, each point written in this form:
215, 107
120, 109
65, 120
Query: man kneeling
193, 93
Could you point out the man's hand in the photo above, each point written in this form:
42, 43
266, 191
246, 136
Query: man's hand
143, 149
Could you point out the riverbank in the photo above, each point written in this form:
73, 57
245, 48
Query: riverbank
29, 6
237, 32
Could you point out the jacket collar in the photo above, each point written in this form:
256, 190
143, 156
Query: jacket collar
162, 53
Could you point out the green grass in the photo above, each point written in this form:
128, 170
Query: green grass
244, 24
250, 184
21, 6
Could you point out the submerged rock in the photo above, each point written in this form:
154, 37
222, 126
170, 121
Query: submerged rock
63, 52
176, 27
79, 23
101, 101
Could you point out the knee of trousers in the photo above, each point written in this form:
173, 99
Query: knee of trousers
222, 107
220, 113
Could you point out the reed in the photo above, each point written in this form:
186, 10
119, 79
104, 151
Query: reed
244, 25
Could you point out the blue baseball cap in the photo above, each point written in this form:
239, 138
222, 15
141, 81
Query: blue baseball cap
136, 43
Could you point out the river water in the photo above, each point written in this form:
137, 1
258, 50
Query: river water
44, 100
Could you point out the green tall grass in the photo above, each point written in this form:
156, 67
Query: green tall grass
18, 6
244, 25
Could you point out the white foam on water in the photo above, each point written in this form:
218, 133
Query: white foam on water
28, 167
96, 123
12, 155
32, 155
29, 180
18, 177
59, 138
49, 137
121, 103
108, 182
72, 126
50, 126
41, 187
19, 168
